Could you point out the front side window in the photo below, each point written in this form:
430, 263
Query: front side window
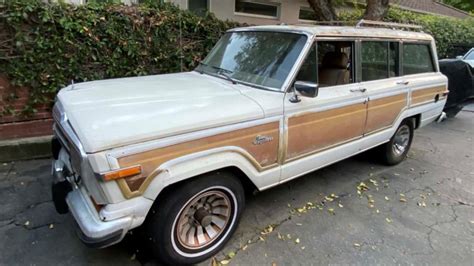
328, 64
259, 58
417, 59
255, 8
379, 60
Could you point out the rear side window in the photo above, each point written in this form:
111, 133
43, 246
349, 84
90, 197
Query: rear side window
379, 60
417, 59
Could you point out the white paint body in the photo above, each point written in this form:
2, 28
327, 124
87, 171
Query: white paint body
118, 117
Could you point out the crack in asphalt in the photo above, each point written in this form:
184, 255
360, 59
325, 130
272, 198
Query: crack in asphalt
14, 218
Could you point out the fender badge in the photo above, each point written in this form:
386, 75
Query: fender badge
262, 139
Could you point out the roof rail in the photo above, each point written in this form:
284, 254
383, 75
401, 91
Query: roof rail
392, 25
369, 23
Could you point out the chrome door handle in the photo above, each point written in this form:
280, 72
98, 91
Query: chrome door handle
359, 90
404, 82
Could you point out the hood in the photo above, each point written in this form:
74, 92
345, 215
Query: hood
111, 113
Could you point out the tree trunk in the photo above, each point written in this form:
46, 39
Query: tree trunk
323, 9
376, 9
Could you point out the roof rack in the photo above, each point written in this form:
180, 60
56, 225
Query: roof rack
370, 23
392, 25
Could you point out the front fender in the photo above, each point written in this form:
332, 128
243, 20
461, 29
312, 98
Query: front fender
195, 164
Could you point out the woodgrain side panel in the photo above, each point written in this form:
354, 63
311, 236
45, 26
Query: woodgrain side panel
261, 156
382, 112
316, 131
426, 95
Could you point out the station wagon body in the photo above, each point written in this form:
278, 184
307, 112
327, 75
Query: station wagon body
268, 104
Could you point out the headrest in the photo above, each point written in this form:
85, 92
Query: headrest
335, 60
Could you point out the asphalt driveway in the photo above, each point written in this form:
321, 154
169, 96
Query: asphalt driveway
353, 212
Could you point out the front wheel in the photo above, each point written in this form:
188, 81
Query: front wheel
194, 221
396, 150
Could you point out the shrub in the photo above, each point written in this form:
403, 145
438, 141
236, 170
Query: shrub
45, 46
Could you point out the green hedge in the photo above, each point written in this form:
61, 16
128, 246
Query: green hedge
448, 32
45, 46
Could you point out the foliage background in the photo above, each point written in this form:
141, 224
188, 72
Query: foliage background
45, 46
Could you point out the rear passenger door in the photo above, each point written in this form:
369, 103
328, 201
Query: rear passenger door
387, 91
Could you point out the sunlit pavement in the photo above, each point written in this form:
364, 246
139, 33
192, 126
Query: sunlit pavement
418, 212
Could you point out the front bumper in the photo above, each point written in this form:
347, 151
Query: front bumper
92, 230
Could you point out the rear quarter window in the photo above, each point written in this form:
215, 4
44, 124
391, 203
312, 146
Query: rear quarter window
417, 59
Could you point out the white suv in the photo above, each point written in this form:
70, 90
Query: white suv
267, 105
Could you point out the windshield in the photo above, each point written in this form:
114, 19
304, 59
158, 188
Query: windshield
260, 58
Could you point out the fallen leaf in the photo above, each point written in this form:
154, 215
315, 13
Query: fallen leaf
340, 205
224, 262
303, 247
356, 245
133, 257
371, 201
412, 169
245, 247
288, 236
27, 223
396, 174
280, 236
309, 203
377, 211
214, 262
388, 220
289, 205
386, 198
261, 238
231, 255
371, 206
331, 210
402, 195
51, 226
328, 198
362, 187
403, 200
334, 196
297, 241
299, 224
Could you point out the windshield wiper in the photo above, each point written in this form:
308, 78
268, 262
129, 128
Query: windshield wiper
220, 71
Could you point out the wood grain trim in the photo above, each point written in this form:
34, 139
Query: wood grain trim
383, 112
423, 96
316, 131
262, 156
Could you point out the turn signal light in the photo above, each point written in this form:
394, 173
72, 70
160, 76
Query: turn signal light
122, 173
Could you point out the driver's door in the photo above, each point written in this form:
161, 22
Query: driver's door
337, 115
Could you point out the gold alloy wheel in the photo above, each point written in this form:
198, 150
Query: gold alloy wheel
203, 219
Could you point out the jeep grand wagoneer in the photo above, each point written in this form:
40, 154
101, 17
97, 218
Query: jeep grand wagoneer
267, 105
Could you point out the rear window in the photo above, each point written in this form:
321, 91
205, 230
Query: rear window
417, 59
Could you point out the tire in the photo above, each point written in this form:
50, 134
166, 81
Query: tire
396, 150
195, 204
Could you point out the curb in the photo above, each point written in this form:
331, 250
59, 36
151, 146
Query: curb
25, 149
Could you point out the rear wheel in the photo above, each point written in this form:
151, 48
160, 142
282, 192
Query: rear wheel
396, 150
194, 221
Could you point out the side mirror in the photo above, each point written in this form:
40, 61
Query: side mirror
305, 88
459, 57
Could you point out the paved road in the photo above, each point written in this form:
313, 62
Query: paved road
419, 212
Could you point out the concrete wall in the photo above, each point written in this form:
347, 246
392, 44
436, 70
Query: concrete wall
225, 9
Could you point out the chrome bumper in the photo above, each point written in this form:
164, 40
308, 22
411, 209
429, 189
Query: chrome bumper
93, 231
